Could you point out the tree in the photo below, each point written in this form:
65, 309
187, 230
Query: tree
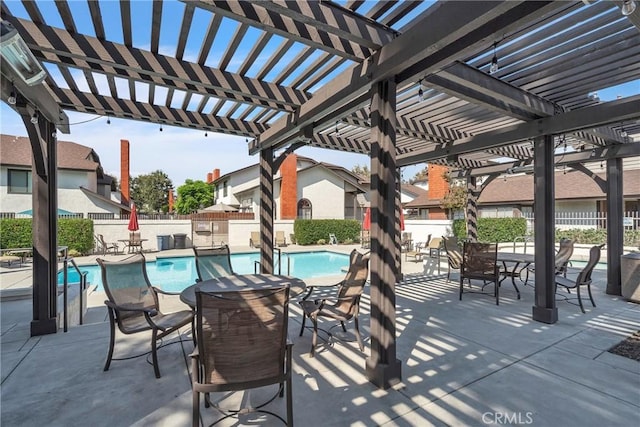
362, 171
456, 197
115, 185
193, 195
422, 174
150, 192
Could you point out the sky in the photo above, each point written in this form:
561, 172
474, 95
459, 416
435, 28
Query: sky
181, 153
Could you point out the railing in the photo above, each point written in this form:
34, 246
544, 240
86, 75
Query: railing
256, 264
631, 219
65, 297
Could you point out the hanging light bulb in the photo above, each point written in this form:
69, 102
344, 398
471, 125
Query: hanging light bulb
564, 170
623, 133
628, 7
494, 61
206, 134
34, 118
160, 128
12, 98
108, 120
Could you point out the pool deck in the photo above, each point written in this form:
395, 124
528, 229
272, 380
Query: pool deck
464, 363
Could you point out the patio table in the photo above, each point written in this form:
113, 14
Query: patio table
238, 282
513, 264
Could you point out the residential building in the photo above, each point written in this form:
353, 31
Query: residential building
575, 192
303, 188
83, 188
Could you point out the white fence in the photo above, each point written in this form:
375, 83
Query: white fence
584, 220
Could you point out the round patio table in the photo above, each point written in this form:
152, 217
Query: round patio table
514, 263
238, 282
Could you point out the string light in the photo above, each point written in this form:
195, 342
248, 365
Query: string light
160, 128
108, 120
628, 7
494, 61
34, 118
206, 134
12, 98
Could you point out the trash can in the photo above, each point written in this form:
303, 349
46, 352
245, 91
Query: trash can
179, 240
163, 242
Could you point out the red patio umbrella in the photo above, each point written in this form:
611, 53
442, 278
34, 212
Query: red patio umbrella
366, 223
133, 219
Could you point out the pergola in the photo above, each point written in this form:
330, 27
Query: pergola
405, 82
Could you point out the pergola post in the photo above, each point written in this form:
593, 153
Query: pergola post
44, 222
544, 309
382, 367
472, 208
266, 210
615, 225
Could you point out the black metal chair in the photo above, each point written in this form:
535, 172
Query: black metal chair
480, 262
133, 305
583, 278
242, 344
213, 262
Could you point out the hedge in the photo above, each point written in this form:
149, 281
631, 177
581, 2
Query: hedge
494, 229
311, 231
77, 234
597, 236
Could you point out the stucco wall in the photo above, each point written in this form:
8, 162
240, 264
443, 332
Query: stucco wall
420, 229
114, 230
324, 191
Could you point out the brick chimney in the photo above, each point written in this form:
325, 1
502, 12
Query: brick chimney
216, 174
438, 188
209, 178
289, 187
124, 172
171, 201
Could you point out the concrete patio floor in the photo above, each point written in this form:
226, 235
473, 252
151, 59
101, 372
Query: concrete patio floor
464, 363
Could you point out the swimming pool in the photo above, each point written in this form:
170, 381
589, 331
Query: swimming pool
175, 274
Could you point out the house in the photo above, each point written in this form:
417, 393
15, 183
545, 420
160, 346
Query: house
83, 188
575, 192
303, 188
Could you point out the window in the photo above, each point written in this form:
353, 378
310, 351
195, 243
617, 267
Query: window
19, 181
304, 209
224, 188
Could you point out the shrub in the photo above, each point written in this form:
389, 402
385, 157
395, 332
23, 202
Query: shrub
77, 234
321, 242
310, 231
597, 236
494, 229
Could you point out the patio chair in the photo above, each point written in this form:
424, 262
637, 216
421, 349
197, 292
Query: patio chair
433, 249
280, 239
135, 242
133, 305
254, 240
406, 242
479, 262
242, 344
563, 255
454, 256
583, 278
346, 305
213, 262
105, 247
417, 252
565, 251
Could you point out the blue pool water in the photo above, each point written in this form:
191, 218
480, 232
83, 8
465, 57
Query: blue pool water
175, 274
